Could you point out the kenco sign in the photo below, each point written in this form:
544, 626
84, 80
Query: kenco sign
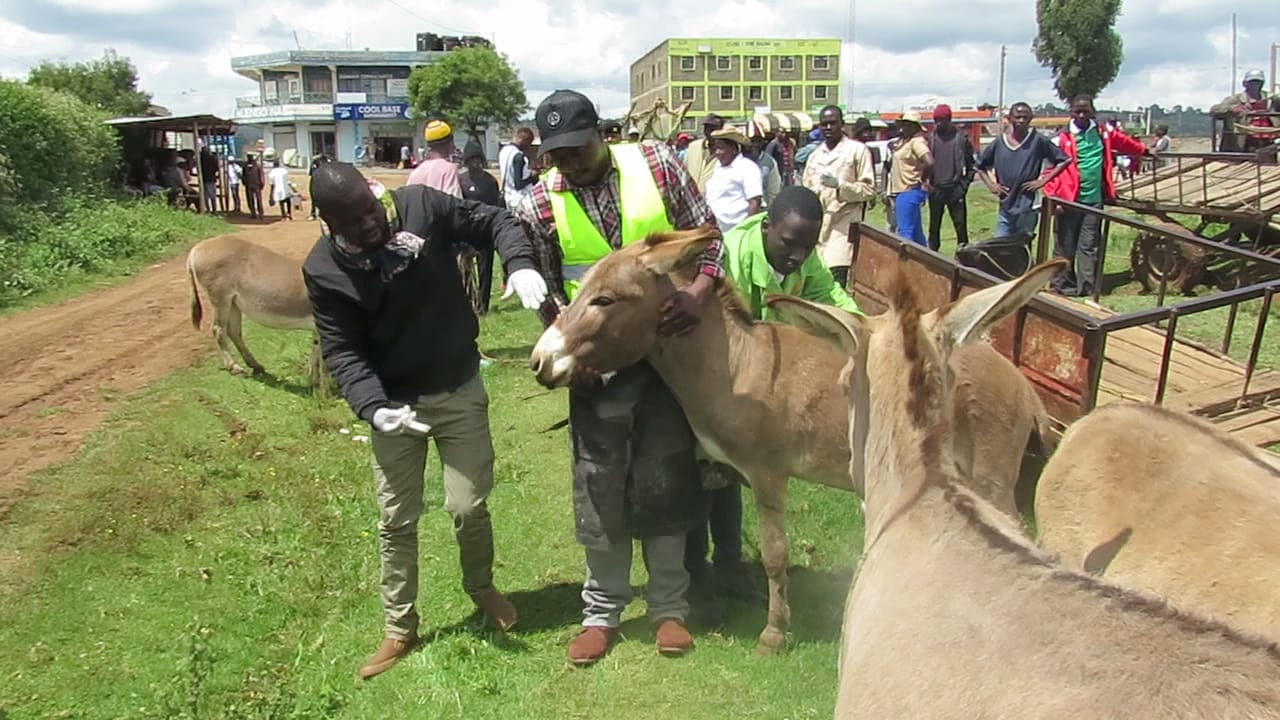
385, 111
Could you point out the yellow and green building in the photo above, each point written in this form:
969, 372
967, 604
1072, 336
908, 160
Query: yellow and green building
735, 76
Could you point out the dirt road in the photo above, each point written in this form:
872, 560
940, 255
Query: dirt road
65, 366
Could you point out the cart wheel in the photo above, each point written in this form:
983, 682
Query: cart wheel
1155, 258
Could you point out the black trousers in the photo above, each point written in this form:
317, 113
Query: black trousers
951, 199
1077, 240
253, 198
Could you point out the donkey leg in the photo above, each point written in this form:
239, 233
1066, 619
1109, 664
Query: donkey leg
771, 502
233, 330
220, 336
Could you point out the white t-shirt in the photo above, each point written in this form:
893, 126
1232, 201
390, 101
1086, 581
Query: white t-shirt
279, 180
730, 188
506, 167
234, 173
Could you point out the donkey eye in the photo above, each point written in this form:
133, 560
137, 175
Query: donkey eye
602, 301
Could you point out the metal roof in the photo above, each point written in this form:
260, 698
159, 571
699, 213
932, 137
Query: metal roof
209, 124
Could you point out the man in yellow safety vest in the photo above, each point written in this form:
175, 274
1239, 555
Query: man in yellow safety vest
634, 470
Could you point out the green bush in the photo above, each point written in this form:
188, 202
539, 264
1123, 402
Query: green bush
95, 237
55, 152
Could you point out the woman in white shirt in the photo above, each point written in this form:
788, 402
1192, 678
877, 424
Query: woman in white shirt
280, 190
734, 189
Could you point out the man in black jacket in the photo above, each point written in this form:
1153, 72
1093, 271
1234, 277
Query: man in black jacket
399, 336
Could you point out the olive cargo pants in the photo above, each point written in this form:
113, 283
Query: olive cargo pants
459, 423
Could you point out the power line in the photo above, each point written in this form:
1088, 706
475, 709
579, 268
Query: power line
446, 28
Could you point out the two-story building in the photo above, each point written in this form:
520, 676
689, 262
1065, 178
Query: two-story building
352, 105
736, 77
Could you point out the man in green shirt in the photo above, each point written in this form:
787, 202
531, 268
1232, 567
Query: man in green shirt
769, 252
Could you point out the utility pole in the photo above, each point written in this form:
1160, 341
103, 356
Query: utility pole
1004, 51
848, 101
1233, 53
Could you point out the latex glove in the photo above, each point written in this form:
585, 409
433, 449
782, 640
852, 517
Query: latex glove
529, 285
399, 421
830, 180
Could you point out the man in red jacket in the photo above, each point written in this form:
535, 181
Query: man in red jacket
1088, 180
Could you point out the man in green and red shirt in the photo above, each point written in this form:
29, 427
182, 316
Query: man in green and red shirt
1088, 181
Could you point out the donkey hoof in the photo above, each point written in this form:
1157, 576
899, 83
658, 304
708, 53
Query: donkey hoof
772, 641
237, 370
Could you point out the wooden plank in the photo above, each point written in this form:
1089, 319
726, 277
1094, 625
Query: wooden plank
1264, 386
1244, 419
1260, 435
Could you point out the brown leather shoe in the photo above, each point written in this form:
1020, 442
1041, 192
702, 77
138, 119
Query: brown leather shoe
390, 653
590, 645
499, 609
673, 638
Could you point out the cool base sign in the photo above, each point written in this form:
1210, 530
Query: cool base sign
386, 111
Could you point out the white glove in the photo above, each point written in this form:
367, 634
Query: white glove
529, 285
399, 421
830, 180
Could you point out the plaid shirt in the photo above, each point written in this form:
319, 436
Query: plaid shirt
685, 209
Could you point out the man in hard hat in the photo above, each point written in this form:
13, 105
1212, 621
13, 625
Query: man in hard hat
438, 170
1237, 109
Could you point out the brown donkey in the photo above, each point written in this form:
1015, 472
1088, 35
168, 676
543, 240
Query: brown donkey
240, 278
954, 613
756, 394
1166, 502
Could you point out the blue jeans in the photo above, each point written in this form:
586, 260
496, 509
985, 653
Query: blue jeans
907, 207
1021, 224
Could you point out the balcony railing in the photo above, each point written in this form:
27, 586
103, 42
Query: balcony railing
308, 98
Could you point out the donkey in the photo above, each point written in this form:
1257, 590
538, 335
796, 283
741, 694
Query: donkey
752, 391
954, 612
1166, 502
238, 277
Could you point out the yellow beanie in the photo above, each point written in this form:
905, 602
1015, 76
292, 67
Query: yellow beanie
437, 130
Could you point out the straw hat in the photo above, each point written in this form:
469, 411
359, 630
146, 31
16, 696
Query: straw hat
911, 116
732, 134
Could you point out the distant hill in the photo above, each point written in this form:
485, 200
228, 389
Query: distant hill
1182, 121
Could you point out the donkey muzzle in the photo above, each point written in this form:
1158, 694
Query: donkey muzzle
551, 366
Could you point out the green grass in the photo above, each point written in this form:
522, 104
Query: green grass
212, 554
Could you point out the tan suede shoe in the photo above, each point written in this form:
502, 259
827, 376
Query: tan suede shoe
389, 653
673, 638
590, 645
498, 608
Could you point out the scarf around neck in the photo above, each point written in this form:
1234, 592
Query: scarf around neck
392, 257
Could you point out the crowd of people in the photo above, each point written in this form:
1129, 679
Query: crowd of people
399, 336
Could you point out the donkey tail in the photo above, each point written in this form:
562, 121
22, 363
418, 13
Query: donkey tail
197, 311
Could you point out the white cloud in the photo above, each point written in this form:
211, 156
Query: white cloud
1177, 51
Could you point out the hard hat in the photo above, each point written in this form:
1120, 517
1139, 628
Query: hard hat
437, 130
269, 154
1254, 76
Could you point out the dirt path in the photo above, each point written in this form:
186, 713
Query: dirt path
66, 366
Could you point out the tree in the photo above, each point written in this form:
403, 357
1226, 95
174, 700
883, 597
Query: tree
470, 87
1077, 40
109, 84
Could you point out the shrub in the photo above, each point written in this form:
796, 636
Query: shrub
96, 237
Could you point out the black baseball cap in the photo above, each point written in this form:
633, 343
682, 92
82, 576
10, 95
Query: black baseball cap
713, 119
566, 119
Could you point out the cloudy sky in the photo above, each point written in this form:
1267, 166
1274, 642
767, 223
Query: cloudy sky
1176, 51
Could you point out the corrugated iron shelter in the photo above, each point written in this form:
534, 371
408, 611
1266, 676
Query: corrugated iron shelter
148, 132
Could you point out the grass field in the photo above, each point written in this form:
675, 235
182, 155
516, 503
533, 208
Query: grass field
212, 554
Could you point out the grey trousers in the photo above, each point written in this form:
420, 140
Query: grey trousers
1078, 239
459, 423
607, 590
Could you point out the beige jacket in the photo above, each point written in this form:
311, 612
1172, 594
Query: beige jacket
850, 161
700, 162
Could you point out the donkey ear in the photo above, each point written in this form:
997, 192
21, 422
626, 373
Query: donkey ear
669, 250
971, 316
842, 329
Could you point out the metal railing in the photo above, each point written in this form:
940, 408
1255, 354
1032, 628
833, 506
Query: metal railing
1091, 332
1197, 200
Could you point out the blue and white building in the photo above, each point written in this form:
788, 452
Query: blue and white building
352, 105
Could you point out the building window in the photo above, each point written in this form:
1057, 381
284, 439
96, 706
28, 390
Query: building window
686, 93
820, 92
686, 63
689, 124
755, 62
821, 62
755, 93
726, 92
787, 62
722, 62
786, 92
